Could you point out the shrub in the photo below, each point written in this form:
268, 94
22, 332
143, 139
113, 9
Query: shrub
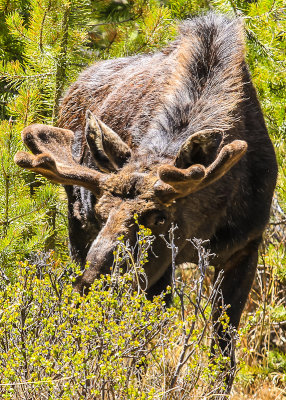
112, 343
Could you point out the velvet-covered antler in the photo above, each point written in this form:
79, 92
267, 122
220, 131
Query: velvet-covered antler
52, 157
179, 182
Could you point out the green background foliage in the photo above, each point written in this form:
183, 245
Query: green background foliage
44, 44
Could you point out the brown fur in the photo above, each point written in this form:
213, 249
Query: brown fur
189, 147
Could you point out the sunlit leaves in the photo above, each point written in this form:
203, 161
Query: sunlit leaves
111, 341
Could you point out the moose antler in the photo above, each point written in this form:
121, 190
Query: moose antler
197, 176
52, 157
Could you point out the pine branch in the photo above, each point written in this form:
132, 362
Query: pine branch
62, 63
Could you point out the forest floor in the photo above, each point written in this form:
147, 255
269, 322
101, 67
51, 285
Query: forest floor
262, 391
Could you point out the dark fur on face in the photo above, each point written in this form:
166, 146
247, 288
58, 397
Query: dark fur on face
175, 136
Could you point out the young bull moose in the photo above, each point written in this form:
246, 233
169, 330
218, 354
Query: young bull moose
176, 136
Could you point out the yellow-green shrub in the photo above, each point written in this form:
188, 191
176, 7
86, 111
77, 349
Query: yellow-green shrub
111, 343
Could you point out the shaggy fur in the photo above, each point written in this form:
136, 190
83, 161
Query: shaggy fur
176, 136
156, 101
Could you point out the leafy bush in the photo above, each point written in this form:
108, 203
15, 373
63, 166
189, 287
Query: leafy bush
112, 343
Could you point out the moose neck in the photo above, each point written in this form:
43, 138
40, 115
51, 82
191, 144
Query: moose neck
204, 89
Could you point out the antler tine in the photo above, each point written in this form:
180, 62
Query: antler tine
180, 179
196, 177
227, 158
53, 158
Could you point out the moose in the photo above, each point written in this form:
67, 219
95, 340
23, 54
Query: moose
176, 136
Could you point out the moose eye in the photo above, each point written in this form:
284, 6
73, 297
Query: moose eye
155, 218
160, 220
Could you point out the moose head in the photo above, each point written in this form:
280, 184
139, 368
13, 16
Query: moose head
127, 181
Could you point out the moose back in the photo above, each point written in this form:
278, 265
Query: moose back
176, 136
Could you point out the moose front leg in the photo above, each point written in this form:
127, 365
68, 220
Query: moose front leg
238, 276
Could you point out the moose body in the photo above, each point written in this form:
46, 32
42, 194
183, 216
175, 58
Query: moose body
176, 136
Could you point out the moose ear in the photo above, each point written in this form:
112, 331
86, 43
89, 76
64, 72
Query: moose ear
199, 148
107, 148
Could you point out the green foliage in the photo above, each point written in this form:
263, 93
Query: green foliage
266, 31
60, 344
112, 343
51, 43
182, 9
277, 361
26, 208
